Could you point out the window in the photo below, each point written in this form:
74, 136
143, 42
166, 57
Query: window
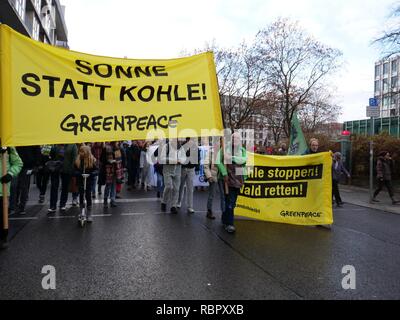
393, 112
37, 4
377, 86
385, 100
377, 70
385, 68
35, 29
394, 82
385, 84
394, 66
20, 7
394, 99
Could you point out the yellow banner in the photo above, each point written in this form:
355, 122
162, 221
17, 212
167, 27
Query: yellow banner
51, 95
289, 189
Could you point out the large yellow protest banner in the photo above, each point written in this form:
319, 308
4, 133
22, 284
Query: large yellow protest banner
288, 189
52, 95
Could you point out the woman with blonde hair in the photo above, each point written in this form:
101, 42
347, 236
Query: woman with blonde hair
85, 163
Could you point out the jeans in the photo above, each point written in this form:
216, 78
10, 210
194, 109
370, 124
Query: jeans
94, 182
212, 191
65, 183
160, 182
388, 185
42, 179
335, 191
230, 204
109, 191
54, 185
85, 193
23, 184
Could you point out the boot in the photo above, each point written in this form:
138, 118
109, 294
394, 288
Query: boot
210, 215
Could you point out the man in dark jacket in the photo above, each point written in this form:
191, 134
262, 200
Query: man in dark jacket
67, 172
30, 157
384, 168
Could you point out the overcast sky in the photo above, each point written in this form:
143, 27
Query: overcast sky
164, 28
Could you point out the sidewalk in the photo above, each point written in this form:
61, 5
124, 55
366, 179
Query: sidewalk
360, 197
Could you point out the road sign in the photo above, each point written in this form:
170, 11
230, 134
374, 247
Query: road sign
373, 102
372, 112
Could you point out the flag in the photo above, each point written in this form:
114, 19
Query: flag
297, 144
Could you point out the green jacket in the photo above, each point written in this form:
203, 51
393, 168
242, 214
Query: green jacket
234, 180
14, 166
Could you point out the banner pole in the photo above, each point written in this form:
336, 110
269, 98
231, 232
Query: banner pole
4, 186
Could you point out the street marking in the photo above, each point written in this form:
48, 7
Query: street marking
133, 214
24, 218
70, 217
61, 217
129, 200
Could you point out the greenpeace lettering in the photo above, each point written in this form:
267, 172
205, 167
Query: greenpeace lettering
295, 190
84, 97
128, 123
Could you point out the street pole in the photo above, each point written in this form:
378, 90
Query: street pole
371, 161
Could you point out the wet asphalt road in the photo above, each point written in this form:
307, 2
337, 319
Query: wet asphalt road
136, 252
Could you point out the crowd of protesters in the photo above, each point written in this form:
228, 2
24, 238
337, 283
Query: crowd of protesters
58, 172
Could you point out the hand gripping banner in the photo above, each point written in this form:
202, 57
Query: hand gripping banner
51, 95
288, 189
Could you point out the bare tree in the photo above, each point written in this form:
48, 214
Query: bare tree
295, 63
241, 83
318, 111
390, 39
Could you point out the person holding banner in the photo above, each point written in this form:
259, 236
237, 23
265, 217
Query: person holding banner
10, 166
314, 145
171, 157
188, 172
232, 166
214, 180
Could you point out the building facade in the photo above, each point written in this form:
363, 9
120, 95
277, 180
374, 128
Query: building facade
41, 20
386, 86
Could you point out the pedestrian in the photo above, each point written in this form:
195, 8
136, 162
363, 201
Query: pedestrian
384, 169
191, 164
171, 157
67, 181
109, 171
232, 166
85, 163
214, 179
43, 175
96, 149
133, 164
30, 157
282, 151
14, 166
53, 167
337, 170
119, 157
314, 145
145, 167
